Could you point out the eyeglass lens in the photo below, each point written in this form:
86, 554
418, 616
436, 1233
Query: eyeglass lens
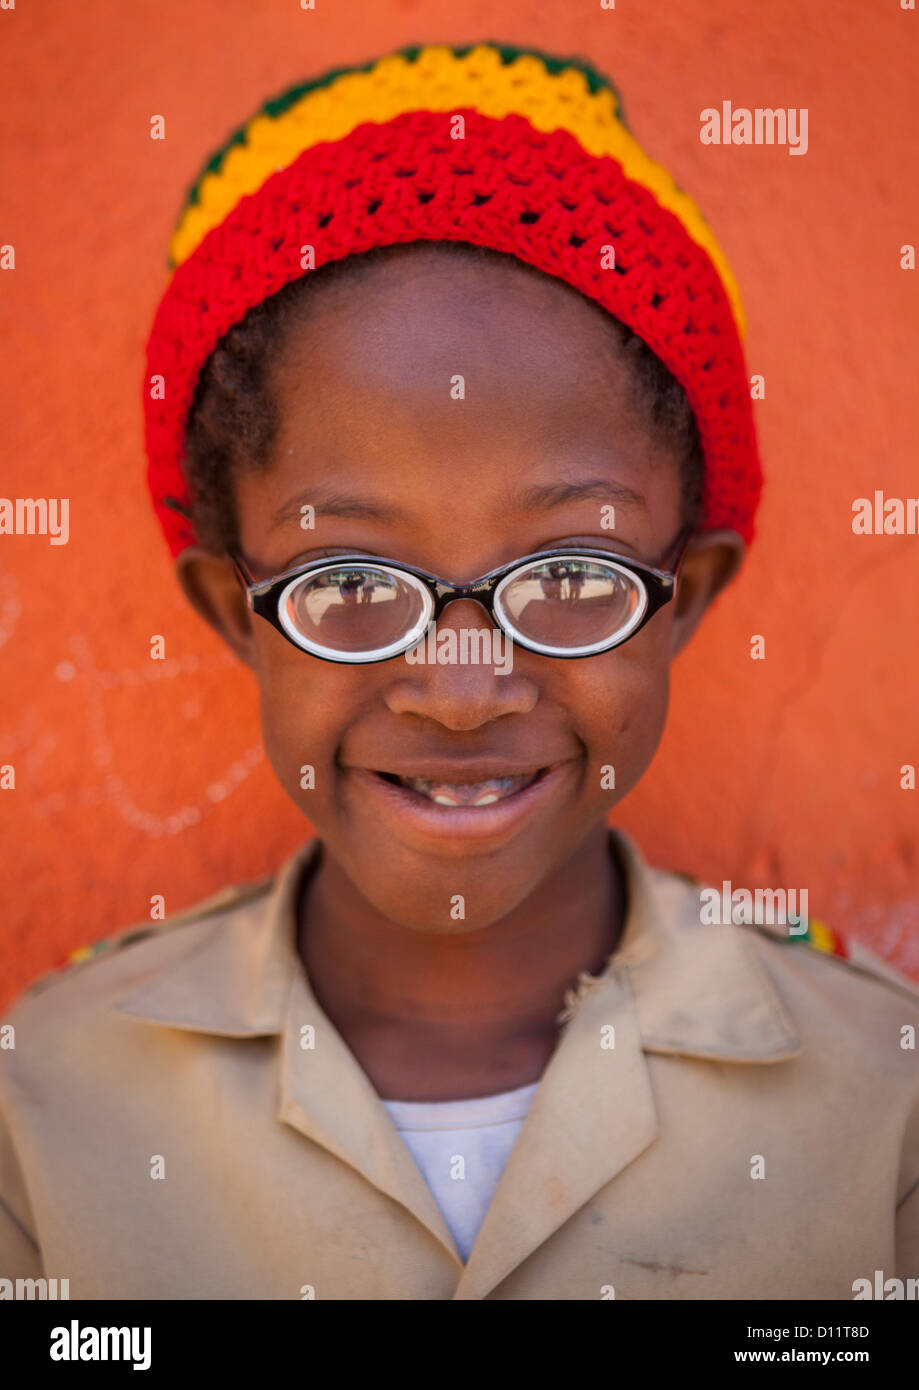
356, 608
563, 603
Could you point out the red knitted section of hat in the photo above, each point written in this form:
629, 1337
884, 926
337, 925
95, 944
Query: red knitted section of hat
537, 196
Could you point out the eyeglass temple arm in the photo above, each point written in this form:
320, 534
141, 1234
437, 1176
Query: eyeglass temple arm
670, 560
243, 572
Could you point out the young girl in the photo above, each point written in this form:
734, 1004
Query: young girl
445, 356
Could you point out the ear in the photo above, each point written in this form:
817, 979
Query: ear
711, 561
209, 583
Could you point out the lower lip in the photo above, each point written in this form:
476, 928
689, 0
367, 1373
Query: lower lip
416, 816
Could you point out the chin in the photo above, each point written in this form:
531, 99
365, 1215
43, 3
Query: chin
451, 899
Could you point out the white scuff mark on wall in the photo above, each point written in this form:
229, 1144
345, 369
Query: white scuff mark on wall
93, 685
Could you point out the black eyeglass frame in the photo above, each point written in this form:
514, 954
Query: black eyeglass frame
658, 581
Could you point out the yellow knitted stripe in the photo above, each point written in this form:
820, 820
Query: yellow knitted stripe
439, 80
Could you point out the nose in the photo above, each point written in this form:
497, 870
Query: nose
446, 678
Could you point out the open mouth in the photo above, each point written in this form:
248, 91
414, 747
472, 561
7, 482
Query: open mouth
484, 793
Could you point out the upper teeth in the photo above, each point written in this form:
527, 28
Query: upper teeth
445, 799
466, 793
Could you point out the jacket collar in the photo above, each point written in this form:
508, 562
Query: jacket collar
235, 977
673, 986
700, 991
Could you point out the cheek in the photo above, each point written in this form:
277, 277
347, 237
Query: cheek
623, 697
304, 704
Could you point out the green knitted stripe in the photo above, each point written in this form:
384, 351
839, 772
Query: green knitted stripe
279, 104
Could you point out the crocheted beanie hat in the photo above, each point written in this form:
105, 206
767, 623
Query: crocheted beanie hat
507, 148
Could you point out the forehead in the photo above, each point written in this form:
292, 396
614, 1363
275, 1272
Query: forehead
412, 320
453, 379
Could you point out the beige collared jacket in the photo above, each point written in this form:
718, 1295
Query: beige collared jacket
728, 1114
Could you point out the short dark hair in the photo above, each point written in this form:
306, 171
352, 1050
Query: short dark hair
234, 419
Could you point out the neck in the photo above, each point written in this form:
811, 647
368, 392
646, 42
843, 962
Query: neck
467, 1014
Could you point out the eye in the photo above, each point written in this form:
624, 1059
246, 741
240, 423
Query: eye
354, 607
570, 603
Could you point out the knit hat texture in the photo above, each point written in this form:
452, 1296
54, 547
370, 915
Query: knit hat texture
542, 167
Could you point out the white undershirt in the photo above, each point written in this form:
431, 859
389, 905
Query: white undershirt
461, 1148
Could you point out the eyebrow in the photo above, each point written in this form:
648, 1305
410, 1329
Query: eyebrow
332, 503
542, 499
586, 490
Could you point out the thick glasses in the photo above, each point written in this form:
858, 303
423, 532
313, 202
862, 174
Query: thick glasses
570, 602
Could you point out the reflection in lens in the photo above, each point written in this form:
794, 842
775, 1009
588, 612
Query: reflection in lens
571, 602
354, 608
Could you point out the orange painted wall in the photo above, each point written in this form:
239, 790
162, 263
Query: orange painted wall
136, 777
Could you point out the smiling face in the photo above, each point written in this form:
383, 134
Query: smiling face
373, 435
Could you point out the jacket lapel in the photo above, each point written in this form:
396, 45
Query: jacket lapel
242, 977
327, 1096
673, 986
592, 1114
